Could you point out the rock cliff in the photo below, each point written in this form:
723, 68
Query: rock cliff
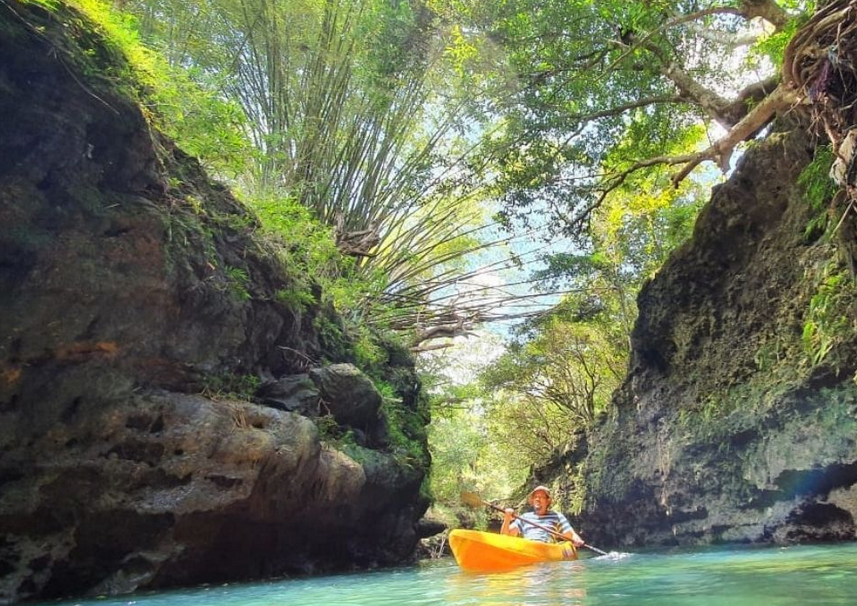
138, 304
737, 421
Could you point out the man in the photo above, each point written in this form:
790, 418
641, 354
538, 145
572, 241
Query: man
540, 500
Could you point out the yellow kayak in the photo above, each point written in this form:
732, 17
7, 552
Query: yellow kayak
490, 552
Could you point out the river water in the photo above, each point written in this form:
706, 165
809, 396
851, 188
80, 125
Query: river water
802, 575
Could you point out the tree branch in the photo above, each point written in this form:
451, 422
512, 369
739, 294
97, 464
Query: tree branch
768, 10
730, 41
725, 112
459, 328
750, 97
721, 151
645, 41
621, 109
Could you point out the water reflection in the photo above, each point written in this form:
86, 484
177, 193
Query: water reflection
555, 583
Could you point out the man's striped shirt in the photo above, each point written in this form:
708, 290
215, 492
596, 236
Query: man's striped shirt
553, 520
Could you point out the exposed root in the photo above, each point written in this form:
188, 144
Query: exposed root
820, 62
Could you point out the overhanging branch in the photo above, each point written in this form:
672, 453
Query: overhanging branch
721, 151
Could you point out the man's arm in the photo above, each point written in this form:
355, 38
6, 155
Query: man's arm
569, 532
507, 527
574, 538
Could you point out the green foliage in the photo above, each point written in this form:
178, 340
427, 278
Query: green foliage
562, 377
238, 282
815, 178
332, 338
559, 375
352, 109
51, 5
630, 236
467, 457
593, 93
829, 319
819, 189
308, 251
771, 353
405, 428
368, 352
305, 247
772, 47
189, 111
577, 499
298, 300
333, 433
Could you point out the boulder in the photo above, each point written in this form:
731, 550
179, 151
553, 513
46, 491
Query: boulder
352, 399
293, 393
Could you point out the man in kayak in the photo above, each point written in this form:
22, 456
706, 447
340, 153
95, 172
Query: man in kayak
540, 499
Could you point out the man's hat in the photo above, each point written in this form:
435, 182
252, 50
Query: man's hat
545, 489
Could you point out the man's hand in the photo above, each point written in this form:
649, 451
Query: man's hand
508, 514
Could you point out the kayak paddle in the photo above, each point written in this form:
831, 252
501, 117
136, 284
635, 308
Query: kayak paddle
473, 500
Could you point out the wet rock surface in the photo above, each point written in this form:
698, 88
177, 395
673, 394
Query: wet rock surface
126, 459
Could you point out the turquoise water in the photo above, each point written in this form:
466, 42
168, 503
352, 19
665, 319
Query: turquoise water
734, 577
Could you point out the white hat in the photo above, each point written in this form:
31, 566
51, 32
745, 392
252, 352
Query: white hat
544, 489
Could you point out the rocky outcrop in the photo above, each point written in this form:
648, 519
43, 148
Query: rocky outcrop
353, 401
738, 418
139, 312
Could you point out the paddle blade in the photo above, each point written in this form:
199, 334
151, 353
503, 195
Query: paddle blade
614, 556
471, 499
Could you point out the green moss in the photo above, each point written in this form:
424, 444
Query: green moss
607, 472
51, 5
27, 238
184, 230
771, 352
339, 437
238, 283
238, 222
368, 352
89, 197
231, 386
828, 322
819, 190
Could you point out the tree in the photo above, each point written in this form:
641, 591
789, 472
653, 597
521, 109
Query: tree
568, 367
466, 457
604, 90
355, 108
562, 369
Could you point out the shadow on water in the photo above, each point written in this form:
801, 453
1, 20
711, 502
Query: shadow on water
805, 576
